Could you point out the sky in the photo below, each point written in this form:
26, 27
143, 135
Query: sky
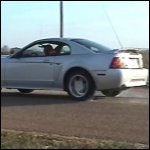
23, 22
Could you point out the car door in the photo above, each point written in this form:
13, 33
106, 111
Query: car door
31, 69
61, 61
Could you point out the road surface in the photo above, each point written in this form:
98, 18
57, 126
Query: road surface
123, 118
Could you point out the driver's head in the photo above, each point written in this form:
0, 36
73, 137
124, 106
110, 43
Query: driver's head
47, 49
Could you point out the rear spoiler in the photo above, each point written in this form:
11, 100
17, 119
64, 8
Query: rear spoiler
132, 50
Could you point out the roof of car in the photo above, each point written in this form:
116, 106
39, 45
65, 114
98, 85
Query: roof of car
57, 39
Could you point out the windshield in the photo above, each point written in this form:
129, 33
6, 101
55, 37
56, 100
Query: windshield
95, 47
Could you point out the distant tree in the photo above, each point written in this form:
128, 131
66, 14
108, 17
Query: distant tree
14, 50
5, 50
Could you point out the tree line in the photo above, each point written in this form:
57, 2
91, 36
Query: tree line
5, 50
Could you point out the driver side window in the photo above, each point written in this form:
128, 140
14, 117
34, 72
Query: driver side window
51, 48
34, 51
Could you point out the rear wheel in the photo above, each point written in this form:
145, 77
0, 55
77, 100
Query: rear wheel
25, 90
111, 93
80, 85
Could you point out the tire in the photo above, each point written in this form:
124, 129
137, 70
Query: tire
111, 93
25, 91
80, 85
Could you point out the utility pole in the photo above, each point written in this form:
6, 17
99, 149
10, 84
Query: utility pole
61, 18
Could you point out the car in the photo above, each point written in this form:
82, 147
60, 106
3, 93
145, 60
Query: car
77, 66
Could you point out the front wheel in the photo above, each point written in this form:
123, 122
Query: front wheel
111, 93
80, 85
25, 91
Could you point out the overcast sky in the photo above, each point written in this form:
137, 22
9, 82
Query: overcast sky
25, 21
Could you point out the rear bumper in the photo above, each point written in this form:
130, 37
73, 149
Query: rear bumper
118, 78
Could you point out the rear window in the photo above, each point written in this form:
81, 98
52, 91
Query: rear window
95, 47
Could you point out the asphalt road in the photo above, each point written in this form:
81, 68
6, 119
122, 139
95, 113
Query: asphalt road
124, 118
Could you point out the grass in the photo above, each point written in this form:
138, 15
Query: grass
22, 140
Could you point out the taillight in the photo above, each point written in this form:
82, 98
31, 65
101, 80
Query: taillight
117, 63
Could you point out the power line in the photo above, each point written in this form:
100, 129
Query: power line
117, 37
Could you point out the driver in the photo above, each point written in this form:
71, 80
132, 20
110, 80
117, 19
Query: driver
48, 50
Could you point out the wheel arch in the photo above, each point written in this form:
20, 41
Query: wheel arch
73, 69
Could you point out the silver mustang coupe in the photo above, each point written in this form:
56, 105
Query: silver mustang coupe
78, 66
